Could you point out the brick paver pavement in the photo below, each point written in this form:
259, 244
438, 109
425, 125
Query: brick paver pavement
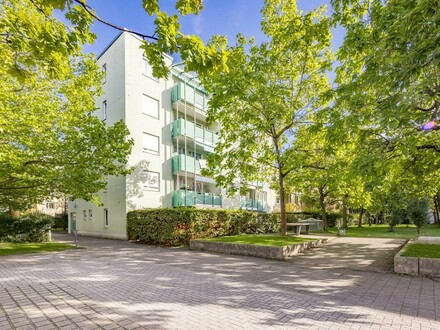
120, 285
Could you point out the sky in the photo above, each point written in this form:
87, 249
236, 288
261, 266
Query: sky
225, 17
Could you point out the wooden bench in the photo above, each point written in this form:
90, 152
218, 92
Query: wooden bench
297, 226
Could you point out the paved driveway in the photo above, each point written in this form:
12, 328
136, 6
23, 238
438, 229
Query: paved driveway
115, 285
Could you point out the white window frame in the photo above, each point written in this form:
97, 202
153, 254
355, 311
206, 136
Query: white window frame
147, 70
147, 106
90, 215
152, 181
149, 150
106, 217
84, 214
104, 110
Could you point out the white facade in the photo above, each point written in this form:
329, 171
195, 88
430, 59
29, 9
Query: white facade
167, 121
53, 207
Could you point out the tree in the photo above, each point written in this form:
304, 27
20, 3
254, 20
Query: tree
315, 173
389, 82
266, 93
418, 212
324, 168
50, 143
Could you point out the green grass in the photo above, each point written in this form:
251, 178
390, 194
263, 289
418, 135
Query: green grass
422, 250
382, 231
267, 240
20, 248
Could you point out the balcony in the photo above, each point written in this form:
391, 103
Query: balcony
182, 163
192, 198
203, 137
189, 95
253, 205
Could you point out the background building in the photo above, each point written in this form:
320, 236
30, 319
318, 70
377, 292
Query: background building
167, 121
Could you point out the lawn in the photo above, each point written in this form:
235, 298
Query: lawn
382, 231
20, 248
267, 240
422, 250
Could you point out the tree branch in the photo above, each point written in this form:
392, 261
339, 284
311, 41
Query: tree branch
429, 146
92, 12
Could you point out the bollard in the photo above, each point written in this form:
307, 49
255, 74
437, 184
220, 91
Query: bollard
75, 233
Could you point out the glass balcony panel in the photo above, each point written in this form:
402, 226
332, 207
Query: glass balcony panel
185, 163
200, 99
252, 204
183, 198
209, 138
186, 93
191, 198
200, 199
200, 136
188, 129
209, 199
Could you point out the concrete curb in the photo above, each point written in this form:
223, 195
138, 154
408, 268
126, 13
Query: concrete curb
416, 266
268, 252
406, 265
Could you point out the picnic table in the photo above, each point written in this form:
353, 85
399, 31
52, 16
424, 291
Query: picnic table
297, 226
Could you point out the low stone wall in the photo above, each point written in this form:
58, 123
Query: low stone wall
260, 251
416, 266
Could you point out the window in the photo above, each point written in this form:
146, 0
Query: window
152, 181
150, 106
90, 215
85, 214
151, 143
104, 110
251, 194
105, 217
179, 151
104, 70
50, 205
148, 70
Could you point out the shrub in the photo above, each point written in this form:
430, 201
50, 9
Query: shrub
179, 225
332, 218
61, 222
31, 227
418, 212
397, 216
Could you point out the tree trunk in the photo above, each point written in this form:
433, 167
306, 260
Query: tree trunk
361, 213
380, 217
437, 208
323, 209
282, 203
344, 214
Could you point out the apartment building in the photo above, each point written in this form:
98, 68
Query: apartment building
167, 121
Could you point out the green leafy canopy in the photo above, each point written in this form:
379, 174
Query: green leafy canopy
50, 143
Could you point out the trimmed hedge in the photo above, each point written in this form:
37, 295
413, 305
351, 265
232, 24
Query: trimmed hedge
178, 226
33, 228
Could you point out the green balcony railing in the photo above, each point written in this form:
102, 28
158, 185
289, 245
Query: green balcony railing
185, 163
189, 95
192, 198
253, 204
186, 128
